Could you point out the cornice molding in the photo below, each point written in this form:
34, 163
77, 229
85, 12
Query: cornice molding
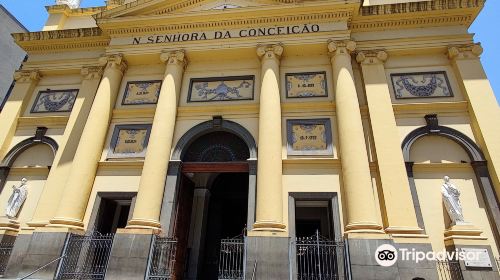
175, 24
374, 24
412, 7
426, 108
47, 121
58, 34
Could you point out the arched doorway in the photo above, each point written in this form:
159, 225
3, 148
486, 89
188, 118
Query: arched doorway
214, 195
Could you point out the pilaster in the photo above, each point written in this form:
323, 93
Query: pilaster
14, 107
483, 106
400, 213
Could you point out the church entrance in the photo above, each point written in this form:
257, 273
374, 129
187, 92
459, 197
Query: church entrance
213, 207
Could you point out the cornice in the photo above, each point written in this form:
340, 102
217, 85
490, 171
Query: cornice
301, 107
135, 113
120, 165
417, 14
48, 121
311, 163
424, 6
234, 110
89, 11
426, 108
57, 40
186, 22
433, 167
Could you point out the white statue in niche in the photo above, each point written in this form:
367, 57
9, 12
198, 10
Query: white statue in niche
451, 199
17, 199
73, 4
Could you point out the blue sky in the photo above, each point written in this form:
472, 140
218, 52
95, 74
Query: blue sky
483, 27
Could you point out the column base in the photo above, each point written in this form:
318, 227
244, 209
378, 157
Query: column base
463, 231
269, 226
405, 231
8, 224
364, 227
66, 222
40, 223
143, 224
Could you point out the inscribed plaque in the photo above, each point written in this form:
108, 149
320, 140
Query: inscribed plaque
311, 84
129, 141
221, 89
309, 137
421, 85
476, 257
54, 101
141, 92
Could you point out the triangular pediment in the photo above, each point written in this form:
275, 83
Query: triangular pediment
165, 7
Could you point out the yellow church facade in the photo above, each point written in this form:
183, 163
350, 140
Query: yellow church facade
263, 139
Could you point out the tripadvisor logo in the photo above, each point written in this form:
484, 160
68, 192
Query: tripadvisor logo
386, 255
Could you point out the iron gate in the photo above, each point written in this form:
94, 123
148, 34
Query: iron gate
232, 258
162, 258
5, 250
449, 270
318, 258
85, 256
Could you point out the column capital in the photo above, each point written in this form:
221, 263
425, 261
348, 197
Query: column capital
26, 76
470, 51
174, 57
270, 51
91, 72
114, 61
371, 57
341, 47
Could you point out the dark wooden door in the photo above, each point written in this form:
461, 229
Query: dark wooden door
182, 222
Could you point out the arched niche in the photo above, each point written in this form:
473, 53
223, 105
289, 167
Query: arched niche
38, 139
475, 157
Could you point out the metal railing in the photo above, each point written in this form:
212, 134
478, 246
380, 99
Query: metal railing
318, 258
5, 250
41, 268
162, 258
449, 270
232, 258
86, 256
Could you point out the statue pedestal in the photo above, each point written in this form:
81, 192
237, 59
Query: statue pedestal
463, 231
8, 224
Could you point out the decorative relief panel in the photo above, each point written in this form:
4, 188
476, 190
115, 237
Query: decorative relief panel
54, 101
421, 85
309, 137
221, 89
129, 141
141, 92
311, 84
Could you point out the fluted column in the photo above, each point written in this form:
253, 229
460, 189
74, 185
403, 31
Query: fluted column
81, 176
483, 106
26, 82
149, 198
357, 181
401, 217
54, 186
269, 213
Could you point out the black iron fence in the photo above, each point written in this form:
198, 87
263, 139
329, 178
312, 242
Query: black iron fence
85, 256
232, 258
162, 258
5, 250
449, 270
317, 258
